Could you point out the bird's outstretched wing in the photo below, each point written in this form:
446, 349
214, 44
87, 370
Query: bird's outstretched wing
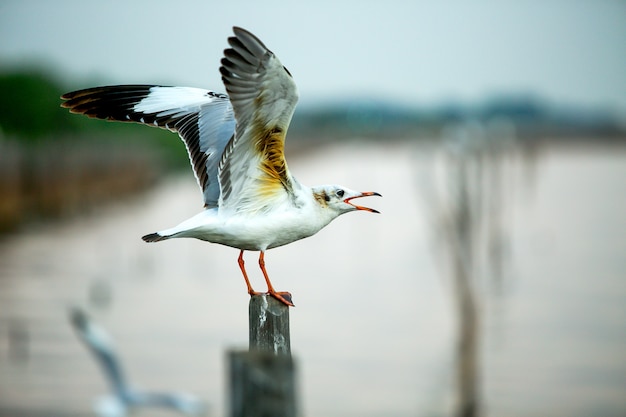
253, 172
203, 119
99, 343
123, 396
182, 402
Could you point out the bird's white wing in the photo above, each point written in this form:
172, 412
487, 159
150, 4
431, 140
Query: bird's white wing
182, 402
253, 173
203, 119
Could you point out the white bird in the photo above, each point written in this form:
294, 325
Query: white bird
236, 147
125, 398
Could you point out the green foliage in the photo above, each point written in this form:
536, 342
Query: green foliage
29, 105
31, 114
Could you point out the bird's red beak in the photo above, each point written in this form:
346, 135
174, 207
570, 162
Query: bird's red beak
365, 194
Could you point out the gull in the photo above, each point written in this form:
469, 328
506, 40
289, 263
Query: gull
125, 398
235, 143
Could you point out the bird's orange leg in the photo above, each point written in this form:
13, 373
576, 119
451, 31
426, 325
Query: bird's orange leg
245, 275
283, 296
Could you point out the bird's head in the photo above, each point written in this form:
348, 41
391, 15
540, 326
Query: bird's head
339, 199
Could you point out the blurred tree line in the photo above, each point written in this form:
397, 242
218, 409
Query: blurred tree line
31, 114
54, 163
30, 111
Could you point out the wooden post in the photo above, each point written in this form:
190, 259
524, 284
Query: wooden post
262, 384
269, 325
262, 379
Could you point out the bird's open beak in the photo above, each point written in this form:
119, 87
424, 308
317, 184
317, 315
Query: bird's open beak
365, 194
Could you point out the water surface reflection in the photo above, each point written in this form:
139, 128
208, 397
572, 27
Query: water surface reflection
374, 324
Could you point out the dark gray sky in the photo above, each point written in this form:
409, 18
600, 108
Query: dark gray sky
415, 52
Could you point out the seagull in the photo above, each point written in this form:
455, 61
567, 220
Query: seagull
125, 398
235, 143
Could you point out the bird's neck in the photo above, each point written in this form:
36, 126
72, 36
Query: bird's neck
319, 205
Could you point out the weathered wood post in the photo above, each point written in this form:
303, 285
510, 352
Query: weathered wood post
269, 325
262, 379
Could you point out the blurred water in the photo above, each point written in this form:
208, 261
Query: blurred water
373, 329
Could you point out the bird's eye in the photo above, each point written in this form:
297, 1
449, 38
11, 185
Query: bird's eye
340, 193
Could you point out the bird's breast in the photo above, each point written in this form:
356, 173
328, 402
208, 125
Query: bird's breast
264, 230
